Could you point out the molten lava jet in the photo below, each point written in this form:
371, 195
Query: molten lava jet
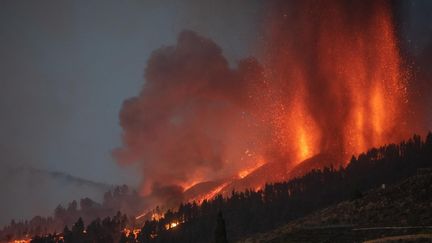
334, 80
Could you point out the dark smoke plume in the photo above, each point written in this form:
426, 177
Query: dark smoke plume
177, 127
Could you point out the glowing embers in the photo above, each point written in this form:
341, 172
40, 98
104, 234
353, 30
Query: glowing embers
21, 241
156, 216
172, 224
128, 231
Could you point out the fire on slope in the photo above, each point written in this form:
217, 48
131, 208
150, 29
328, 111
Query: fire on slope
21, 241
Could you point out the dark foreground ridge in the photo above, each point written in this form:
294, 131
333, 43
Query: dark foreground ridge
389, 213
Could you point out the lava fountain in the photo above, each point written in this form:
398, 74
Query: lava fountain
334, 80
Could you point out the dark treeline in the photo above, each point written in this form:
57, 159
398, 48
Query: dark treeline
108, 230
120, 198
251, 211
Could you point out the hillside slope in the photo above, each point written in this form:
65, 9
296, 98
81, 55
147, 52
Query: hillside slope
404, 208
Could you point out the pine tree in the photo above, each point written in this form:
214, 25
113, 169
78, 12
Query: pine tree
220, 232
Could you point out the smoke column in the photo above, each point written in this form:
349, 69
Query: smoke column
188, 120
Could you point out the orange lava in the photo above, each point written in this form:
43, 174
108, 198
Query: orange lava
245, 172
210, 195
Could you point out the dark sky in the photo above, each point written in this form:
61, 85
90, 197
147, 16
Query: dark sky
67, 66
65, 69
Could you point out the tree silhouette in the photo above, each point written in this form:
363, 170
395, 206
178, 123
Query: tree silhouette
78, 231
220, 232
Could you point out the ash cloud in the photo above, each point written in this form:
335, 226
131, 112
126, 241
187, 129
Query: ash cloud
177, 128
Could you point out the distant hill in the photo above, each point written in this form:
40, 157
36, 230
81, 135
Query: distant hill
403, 210
20, 185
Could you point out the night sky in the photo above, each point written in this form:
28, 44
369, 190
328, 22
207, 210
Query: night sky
67, 66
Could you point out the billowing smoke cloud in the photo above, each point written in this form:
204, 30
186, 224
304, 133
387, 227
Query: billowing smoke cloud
178, 128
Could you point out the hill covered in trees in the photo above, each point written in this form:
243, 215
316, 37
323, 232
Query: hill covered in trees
404, 208
250, 212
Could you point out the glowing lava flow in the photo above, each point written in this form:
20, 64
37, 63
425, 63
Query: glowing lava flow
210, 194
243, 173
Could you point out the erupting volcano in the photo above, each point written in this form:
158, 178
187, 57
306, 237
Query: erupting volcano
330, 83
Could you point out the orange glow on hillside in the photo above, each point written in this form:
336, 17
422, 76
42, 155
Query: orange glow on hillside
243, 173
